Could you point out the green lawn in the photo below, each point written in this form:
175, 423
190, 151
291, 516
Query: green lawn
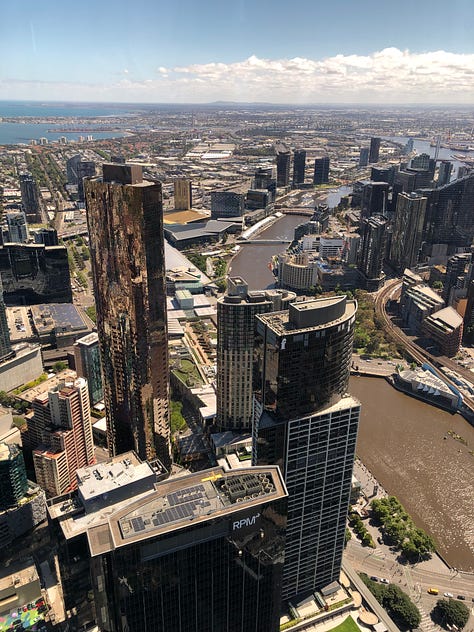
348, 625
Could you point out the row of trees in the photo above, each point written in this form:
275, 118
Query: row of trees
396, 602
400, 529
360, 529
368, 333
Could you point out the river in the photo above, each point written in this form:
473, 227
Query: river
251, 262
402, 442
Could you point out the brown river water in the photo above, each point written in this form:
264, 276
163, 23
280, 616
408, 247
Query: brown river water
402, 442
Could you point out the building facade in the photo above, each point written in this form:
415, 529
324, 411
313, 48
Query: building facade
183, 194
371, 254
13, 481
307, 424
299, 166
321, 170
61, 433
30, 197
374, 149
236, 312
283, 161
407, 230
125, 219
227, 204
87, 358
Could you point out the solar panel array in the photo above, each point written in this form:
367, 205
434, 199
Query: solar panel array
185, 495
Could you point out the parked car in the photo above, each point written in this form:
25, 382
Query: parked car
462, 597
384, 580
374, 578
448, 594
433, 591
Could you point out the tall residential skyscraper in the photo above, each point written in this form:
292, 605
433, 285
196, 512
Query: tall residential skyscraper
71, 168
125, 219
183, 194
321, 170
30, 197
283, 160
299, 165
62, 425
407, 230
373, 239
374, 149
87, 358
307, 424
374, 198
236, 312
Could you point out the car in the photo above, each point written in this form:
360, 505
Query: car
374, 578
461, 597
384, 580
433, 591
448, 594
380, 539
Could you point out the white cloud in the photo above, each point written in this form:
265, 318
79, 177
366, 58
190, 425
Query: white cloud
387, 76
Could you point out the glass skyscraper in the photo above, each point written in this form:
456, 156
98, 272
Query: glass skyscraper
306, 423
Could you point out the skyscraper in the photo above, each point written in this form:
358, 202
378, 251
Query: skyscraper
125, 219
30, 197
283, 160
364, 157
407, 230
71, 168
236, 312
321, 170
13, 481
299, 165
444, 172
307, 424
17, 227
87, 358
84, 169
374, 149
6, 350
183, 194
373, 239
374, 198
62, 424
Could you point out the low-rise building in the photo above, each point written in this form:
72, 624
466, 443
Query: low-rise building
445, 328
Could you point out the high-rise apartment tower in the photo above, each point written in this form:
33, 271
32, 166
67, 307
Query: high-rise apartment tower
125, 219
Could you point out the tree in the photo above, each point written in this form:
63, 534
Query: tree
59, 366
348, 536
451, 612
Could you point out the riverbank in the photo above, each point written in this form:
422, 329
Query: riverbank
412, 450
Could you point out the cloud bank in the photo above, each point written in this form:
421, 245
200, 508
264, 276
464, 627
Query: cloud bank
387, 76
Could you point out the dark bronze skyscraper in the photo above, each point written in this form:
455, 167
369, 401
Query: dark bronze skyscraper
125, 218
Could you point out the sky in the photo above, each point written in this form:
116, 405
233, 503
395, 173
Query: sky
200, 51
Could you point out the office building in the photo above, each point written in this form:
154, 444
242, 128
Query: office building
373, 239
445, 328
34, 273
307, 424
321, 170
5, 344
84, 169
444, 172
383, 174
46, 236
227, 204
407, 230
458, 270
13, 481
30, 197
125, 219
283, 160
421, 161
87, 358
236, 312
183, 194
60, 433
299, 165
257, 199
197, 552
374, 149
17, 228
364, 157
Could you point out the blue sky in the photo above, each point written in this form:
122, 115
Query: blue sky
145, 50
